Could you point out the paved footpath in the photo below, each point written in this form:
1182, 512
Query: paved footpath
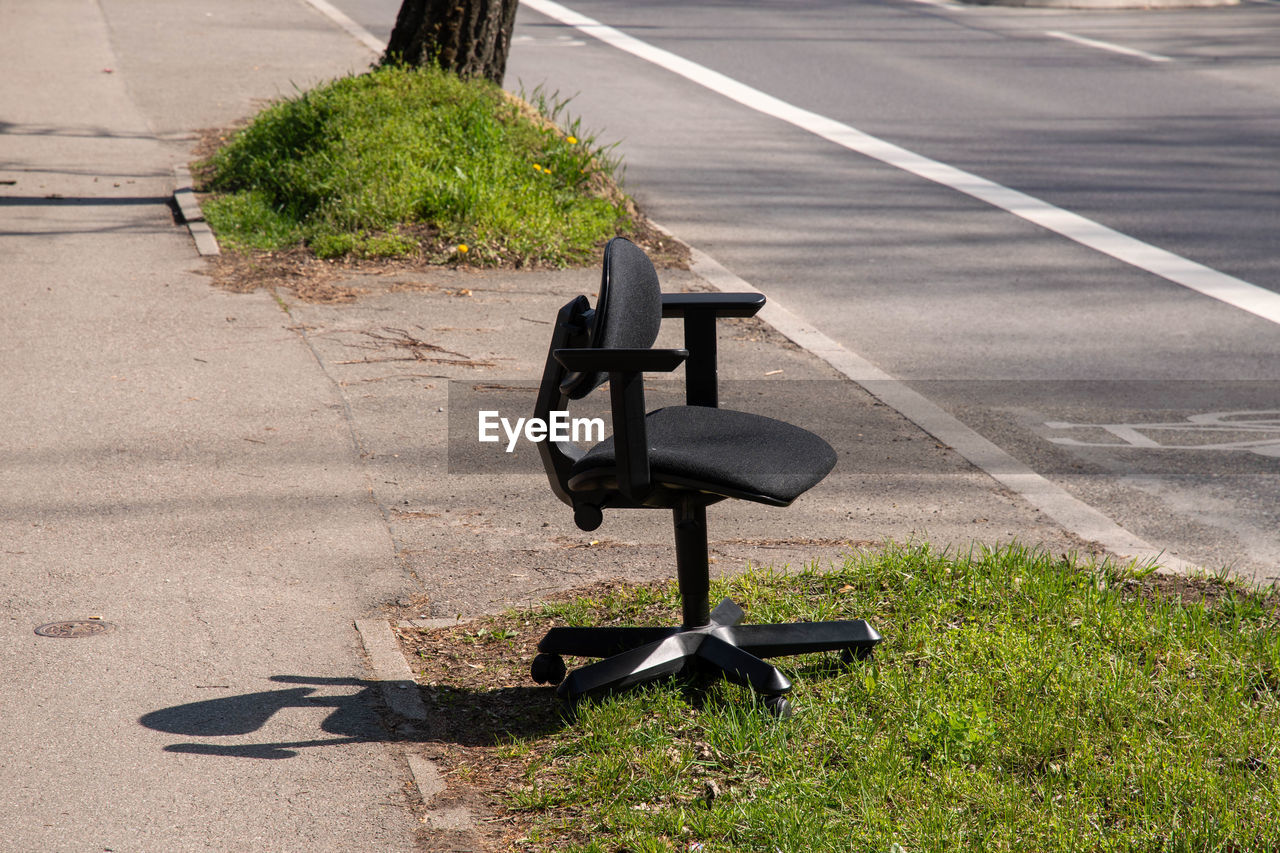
231, 485
174, 463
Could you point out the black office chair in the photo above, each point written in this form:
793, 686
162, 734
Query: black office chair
680, 457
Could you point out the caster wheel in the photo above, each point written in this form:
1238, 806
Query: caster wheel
849, 656
547, 669
587, 517
779, 707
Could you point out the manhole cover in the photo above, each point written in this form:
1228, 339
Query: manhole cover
75, 628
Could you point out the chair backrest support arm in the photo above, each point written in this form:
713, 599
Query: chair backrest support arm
630, 442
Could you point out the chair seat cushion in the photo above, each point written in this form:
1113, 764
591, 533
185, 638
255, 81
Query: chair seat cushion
742, 453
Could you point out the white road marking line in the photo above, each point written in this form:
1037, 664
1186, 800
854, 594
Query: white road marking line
1073, 514
1175, 268
943, 4
340, 18
1106, 45
558, 41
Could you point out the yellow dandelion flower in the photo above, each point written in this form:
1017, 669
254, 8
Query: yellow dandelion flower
463, 248
537, 168
573, 140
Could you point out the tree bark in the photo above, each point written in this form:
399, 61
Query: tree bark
468, 37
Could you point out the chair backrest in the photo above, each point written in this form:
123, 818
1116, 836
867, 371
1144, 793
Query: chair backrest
627, 315
628, 310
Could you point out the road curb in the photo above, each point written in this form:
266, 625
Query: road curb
395, 679
399, 690
184, 196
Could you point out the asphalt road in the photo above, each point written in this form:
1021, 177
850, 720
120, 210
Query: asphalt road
1160, 125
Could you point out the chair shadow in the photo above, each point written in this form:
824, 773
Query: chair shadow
490, 717
455, 715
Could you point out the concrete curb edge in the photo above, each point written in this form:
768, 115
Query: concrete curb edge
400, 692
184, 196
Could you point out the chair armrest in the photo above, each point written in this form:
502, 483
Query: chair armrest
715, 304
587, 360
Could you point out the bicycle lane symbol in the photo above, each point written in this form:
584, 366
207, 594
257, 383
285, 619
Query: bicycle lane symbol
1253, 431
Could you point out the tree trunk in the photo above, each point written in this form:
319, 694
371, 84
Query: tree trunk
468, 37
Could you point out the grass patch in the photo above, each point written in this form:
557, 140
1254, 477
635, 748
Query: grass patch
1019, 702
414, 162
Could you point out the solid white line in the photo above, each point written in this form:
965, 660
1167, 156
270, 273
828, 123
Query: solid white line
942, 4
1175, 268
1106, 45
1073, 514
340, 18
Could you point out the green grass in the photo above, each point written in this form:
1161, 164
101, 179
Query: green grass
405, 161
1018, 702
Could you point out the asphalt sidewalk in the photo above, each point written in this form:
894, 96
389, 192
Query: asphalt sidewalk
174, 463
231, 481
